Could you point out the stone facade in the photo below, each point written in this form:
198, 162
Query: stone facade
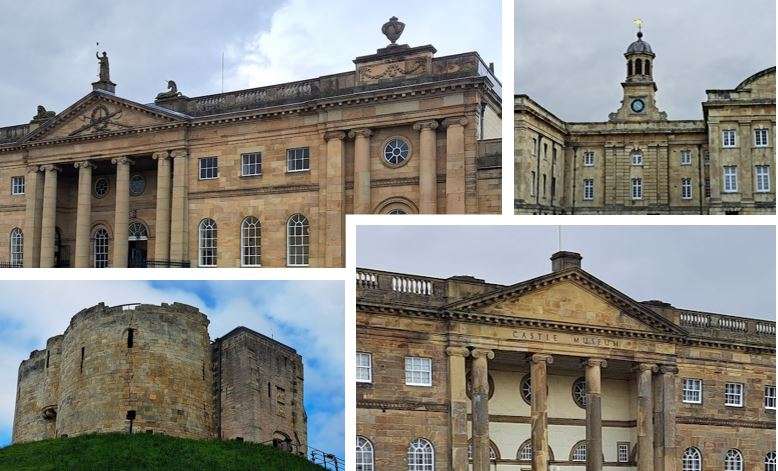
529, 373
639, 162
153, 369
315, 148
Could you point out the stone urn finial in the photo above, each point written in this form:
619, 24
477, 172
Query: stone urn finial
392, 29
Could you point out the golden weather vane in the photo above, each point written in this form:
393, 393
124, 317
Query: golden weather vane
639, 23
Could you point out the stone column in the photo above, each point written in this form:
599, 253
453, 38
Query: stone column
32, 216
361, 138
428, 179
178, 208
458, 408
162, 220
122, 212
645, 416
664, 419
539, 382
480, 408
83, 213
334, 210
49, 215
455, 164
594, 413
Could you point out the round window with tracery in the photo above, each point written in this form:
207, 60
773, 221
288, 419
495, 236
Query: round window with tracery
137, 185
526, 389
579, 392
396, 151
101, 187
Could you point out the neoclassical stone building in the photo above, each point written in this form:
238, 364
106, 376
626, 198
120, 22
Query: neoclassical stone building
558, 372
141, 368
257, 177
640, 162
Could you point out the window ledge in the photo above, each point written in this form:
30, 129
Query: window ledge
299, 171
252, 175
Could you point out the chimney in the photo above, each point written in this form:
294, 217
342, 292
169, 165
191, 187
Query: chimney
491, 67
563, 260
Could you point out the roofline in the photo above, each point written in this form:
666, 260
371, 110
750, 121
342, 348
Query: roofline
240, 329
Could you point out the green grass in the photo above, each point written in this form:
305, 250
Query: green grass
144, 451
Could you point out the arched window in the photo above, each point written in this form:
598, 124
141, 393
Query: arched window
250, 242
138, 231
208, 239
364, 456
493, 455
297, 241
525, 451
648, 67
526, 389
579, 392
769, 461
397, 211
638, 67
692, 460
421, 456
16, 255
629, 68
578, 453
733, 461
100, 247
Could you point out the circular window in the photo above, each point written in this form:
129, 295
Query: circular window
396, 151
469, 381
579, 392
526, 389
101, 187
137, 184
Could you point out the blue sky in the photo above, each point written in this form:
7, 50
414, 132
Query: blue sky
306, 315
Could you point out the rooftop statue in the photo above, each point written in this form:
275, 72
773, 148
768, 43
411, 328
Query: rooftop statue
105, 75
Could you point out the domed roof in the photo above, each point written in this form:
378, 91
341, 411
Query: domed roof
640, 46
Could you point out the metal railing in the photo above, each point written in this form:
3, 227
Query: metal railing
322, 458
167, 264
11, 265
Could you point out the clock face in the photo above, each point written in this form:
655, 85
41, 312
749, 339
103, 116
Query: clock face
638, 105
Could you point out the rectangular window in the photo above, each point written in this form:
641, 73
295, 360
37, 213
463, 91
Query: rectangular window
532, 187
418, 371
692, 391
637, 158
637, 188
733, 394
364, 368
544, 185
81, 367
769, 397
686, 157
209, 168
130, 337
17, 185
534, 146
760, 137
251, 164
298, 160
762, 178
728, 137
588, 159
686, 188
730, 179
622, 452
707, 187
588, 189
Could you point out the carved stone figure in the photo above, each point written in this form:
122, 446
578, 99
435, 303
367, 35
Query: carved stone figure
42, 115
172, 91
105, 74
392, 29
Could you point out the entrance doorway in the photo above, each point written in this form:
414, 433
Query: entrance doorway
137, 245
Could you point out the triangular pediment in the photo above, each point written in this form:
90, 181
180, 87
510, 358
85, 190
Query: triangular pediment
101, 113
571, 297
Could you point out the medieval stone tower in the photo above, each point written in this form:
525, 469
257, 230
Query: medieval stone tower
153, 369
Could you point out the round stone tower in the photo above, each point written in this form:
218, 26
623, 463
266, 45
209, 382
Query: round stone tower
136, 368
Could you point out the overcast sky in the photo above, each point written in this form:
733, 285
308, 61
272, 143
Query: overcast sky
308, 316
722, 269
49, 49
570, 54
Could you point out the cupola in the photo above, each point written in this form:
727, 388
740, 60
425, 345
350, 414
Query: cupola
640, 60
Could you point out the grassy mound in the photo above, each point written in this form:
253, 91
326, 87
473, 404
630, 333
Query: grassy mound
144, 451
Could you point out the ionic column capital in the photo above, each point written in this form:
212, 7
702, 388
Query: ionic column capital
542, 358
84, 164
330, 135
600, 362
160, 155
482, 353
51, 168
432, 125
457, 352
178, 154
641, 367
363, 132
455, 121
124, 160
668, 369
33, 169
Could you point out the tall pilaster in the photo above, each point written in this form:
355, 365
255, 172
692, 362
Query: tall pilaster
664, 419
455, 164
178, 208
428, 180
83, 213
32, 216
539, 419
645, 413
480, 408
121, 212
162, 221
49, 215
594, 413
362, 204
335, 190
458, 406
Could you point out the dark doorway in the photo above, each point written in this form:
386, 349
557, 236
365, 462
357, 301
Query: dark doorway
136, 255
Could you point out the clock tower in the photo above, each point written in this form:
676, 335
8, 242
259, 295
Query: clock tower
639, 103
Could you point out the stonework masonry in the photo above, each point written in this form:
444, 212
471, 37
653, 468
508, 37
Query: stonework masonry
404, 132
145, 368
684, 166
543, 373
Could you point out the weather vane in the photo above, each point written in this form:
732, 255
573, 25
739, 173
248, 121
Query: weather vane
639, 23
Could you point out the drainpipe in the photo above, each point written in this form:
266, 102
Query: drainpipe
575, 180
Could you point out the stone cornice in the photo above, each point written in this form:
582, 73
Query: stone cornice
732, 423
265, 190
404, 405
